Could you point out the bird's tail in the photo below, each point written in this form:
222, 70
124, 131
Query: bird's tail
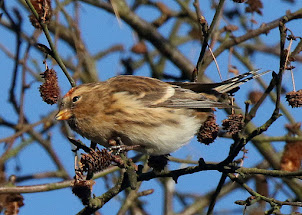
228, 86
232, 84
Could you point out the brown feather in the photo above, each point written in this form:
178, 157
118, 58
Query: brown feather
155, 93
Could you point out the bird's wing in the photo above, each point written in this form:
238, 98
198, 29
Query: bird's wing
155, 93
148, 90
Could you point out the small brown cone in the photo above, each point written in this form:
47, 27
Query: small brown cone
44, 10
292, 156
233, 124
208, 131
83, 189
294, 98
95, 161
254, 6
49, 90
12, 203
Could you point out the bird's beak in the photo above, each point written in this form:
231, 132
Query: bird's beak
63, 114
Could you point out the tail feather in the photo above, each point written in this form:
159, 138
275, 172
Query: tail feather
229, 85
236, 81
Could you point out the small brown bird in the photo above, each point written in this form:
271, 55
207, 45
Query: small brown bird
156, 116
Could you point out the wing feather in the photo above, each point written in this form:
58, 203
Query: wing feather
155, 93
149, 90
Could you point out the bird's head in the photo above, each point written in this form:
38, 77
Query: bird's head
79, 102
69, 104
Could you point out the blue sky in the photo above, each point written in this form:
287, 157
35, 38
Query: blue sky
100, 30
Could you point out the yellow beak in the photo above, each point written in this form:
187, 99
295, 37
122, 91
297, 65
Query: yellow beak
63, 114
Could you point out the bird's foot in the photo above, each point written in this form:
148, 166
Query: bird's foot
116, 150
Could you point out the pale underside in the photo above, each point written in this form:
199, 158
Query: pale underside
157, 130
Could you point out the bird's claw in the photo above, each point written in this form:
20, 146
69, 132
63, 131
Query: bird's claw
116, 150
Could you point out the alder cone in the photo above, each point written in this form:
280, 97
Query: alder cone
44, 10
294, 98
49, 90
209, 131
292, 156
233, 124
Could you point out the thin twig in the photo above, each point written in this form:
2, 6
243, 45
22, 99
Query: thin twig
55, 53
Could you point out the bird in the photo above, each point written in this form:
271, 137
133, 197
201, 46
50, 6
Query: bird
154, 116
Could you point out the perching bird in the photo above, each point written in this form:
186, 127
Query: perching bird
156, 116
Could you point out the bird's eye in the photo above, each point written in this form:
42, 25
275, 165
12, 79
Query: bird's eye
75, 99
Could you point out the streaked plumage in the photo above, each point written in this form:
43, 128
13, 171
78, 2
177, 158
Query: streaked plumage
159, 117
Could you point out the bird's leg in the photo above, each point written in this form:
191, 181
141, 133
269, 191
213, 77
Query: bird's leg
122, 148
117, 149
117, 146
